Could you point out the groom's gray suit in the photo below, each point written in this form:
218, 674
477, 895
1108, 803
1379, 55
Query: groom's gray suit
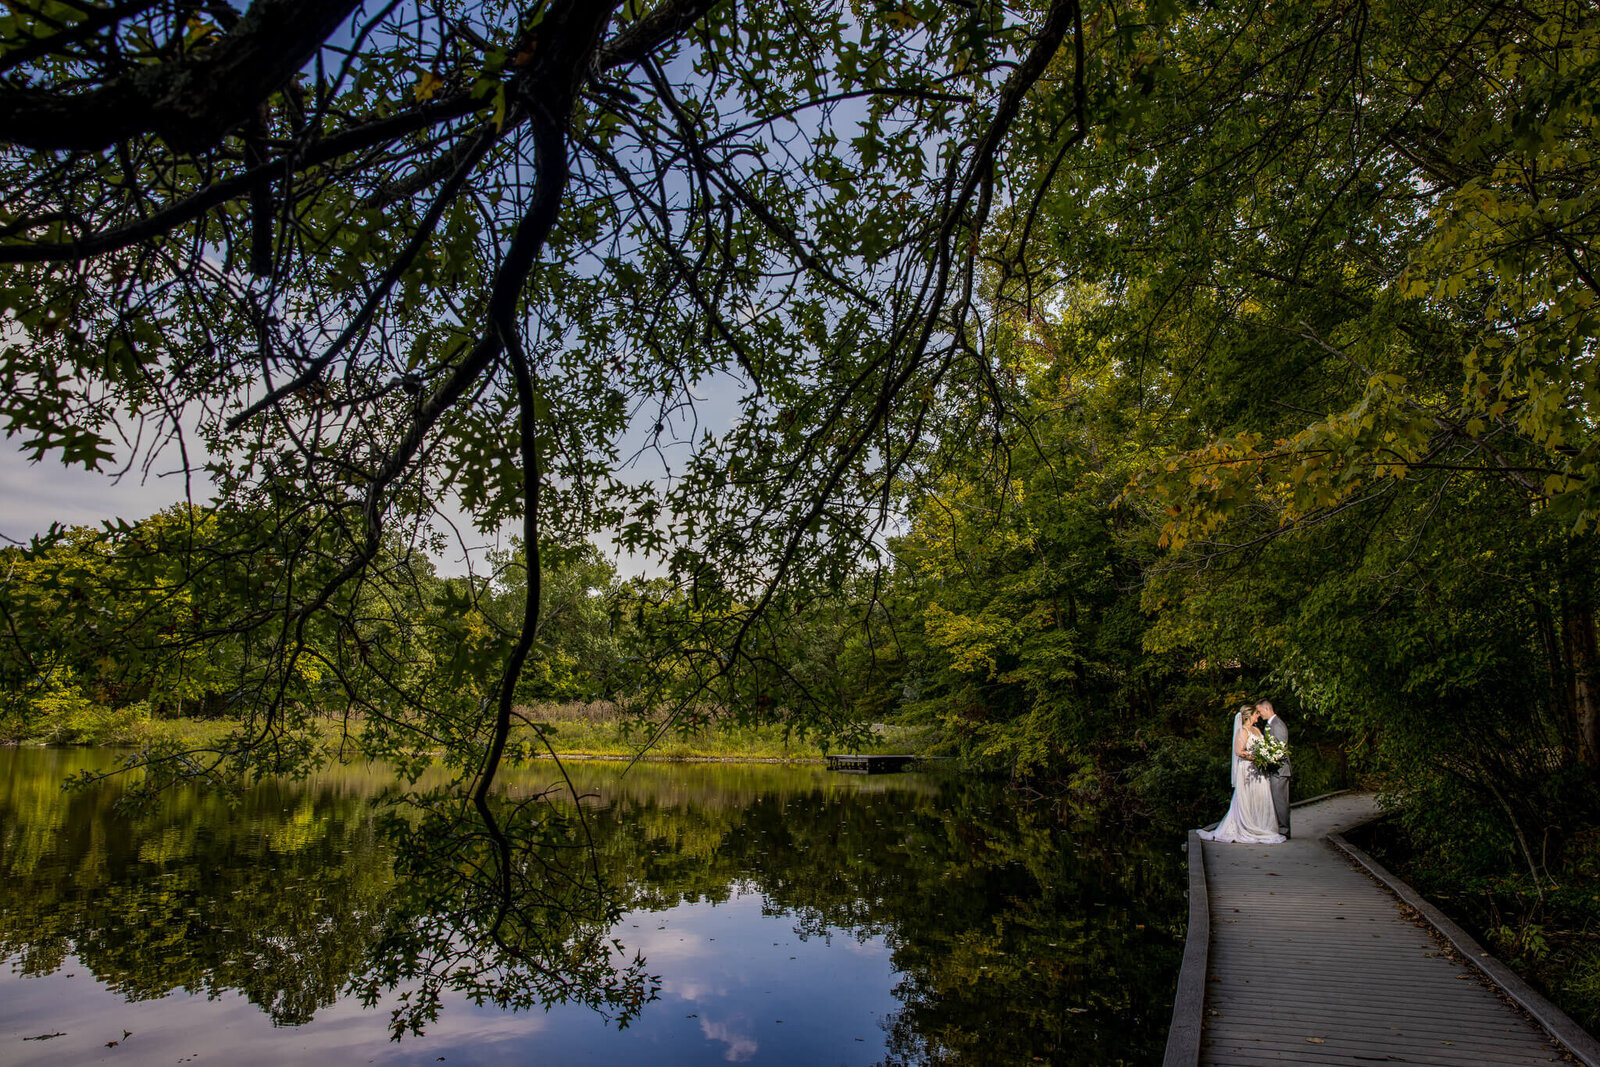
1280, 778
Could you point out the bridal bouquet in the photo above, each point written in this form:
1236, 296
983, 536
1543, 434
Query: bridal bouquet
1269, 754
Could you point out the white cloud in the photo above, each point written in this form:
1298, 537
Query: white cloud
35, 494
741, 1047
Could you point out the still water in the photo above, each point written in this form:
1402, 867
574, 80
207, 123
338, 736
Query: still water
787, 915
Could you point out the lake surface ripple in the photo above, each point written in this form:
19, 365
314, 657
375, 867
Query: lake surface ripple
788, 915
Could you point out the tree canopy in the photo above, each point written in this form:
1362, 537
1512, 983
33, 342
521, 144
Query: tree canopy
1053, 373
357, 262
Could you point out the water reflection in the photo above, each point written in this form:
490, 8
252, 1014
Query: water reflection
790, 915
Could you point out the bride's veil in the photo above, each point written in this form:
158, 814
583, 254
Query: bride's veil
1233, 750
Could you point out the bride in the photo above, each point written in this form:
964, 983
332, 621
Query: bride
1250, 819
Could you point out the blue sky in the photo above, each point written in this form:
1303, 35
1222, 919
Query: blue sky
33, 495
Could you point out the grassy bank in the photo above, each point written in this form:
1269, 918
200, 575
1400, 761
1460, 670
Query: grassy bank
579, 730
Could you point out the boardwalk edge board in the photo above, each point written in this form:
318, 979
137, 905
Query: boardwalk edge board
1320, 797
1188, 1006
1560, 1026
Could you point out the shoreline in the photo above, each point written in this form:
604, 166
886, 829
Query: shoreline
607, 757
572, 757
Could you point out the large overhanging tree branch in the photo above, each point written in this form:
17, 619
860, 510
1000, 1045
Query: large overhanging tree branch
191, 99
324, 274
481, 254
689, 275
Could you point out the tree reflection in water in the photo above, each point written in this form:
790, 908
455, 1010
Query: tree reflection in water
1011, 936
504, 903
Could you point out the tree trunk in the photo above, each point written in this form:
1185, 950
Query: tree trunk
1554, 658
1583, 687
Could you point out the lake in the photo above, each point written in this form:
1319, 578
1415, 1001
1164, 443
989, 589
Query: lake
783, 915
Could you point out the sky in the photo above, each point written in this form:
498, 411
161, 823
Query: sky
33, 495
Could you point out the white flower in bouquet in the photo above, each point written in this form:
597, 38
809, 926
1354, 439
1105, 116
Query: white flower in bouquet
1269, 754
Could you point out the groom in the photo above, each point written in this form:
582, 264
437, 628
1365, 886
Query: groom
1280, 778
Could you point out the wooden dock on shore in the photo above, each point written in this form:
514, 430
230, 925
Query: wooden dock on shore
852, 763
1297, 955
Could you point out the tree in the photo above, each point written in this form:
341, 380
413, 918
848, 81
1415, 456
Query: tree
1341, 252
354, 264
579, 648
358, 263
1026, 602
1341, 256
116, 615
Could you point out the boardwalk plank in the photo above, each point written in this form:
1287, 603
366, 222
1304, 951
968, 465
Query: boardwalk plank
1311, 1024
1242, 1057
1303, 945
1375, 1040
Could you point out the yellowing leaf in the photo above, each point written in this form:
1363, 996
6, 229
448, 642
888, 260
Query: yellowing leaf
427, 85
198, 30
500, 106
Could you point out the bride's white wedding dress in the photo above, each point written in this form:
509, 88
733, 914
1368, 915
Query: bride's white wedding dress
1251, 819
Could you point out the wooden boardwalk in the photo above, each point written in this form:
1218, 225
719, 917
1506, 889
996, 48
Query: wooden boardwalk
852, 763
1310, 961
